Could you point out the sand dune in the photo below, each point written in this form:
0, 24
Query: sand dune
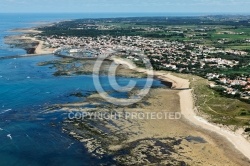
187, 109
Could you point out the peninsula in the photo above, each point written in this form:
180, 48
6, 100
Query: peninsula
205, 58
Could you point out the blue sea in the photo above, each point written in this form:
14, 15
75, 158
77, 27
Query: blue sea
12, 21
26, 90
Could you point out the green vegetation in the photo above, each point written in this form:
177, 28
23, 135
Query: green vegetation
194, 35
222, 110
228, 32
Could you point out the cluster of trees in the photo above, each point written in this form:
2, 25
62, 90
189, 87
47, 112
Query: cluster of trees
90, 32
88, 27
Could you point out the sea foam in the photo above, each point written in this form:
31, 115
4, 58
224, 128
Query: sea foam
4, 111
9, 136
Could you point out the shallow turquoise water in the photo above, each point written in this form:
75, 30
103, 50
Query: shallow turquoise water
26, 134
26, 89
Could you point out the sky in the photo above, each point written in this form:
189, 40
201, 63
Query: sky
125, 6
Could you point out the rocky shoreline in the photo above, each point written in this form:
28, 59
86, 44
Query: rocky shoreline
19, 42
142, 141
28, 41
147, 141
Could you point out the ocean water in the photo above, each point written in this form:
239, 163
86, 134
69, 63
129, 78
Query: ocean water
13, 21
24, 20
26, 89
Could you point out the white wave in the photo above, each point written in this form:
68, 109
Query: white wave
4, 111
70, 145
9, 136
1, 129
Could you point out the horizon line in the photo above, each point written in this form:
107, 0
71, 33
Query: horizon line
232, 13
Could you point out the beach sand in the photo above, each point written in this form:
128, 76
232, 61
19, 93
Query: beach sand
27, 35
153, 141
187, 109
177, 83
226, 140
189, 140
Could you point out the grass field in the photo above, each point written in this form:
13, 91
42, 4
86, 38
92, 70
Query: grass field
220, 109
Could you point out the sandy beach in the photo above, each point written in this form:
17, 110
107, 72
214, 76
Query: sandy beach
177, 83
222, 146
188, 109
40, 49
187, 140
27, 35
